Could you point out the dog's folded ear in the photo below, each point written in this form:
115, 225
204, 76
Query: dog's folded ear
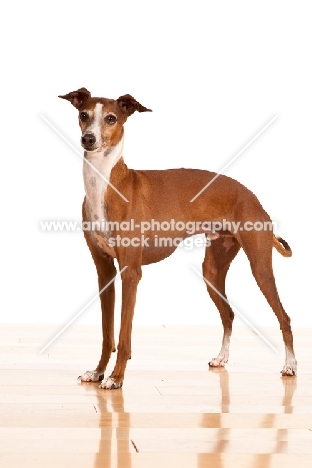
129, 105
77, 98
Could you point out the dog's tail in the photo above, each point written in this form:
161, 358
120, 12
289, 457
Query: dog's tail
278, 242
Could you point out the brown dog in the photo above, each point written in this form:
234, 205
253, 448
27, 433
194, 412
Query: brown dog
128, 210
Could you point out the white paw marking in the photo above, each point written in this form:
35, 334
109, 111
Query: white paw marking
290, 367
218, 362
289, 370
91, 376
110, 384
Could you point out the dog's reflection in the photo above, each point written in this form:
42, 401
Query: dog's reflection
224, 443
115, 445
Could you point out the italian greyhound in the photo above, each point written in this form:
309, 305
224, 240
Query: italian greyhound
125, 197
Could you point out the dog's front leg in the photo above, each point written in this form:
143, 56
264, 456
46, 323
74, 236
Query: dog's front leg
106, 272
130, 279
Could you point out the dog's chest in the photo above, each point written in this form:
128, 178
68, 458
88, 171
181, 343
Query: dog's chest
96, 179
97, 170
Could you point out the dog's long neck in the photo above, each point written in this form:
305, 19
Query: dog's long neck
97, 170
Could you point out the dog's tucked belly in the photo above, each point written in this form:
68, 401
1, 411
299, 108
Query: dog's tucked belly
151, 252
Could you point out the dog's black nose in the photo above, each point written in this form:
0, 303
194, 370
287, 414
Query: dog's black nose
88, 139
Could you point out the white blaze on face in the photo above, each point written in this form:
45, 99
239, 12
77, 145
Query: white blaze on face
96, 126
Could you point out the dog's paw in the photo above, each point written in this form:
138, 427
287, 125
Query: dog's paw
218, 362
110, 384
289, 370
91, 376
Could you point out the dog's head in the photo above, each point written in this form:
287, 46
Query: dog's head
101, 120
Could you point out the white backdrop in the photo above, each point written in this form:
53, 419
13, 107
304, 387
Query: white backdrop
214, 74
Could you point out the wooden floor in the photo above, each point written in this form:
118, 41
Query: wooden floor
173, 411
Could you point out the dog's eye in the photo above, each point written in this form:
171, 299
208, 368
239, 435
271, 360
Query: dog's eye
83, 116
110, 119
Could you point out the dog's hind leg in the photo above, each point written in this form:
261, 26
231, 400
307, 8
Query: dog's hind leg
258, 248
218, 258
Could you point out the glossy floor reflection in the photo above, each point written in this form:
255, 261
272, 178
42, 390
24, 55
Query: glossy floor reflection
172, 411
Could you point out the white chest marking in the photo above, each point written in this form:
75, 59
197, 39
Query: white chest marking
95, 184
